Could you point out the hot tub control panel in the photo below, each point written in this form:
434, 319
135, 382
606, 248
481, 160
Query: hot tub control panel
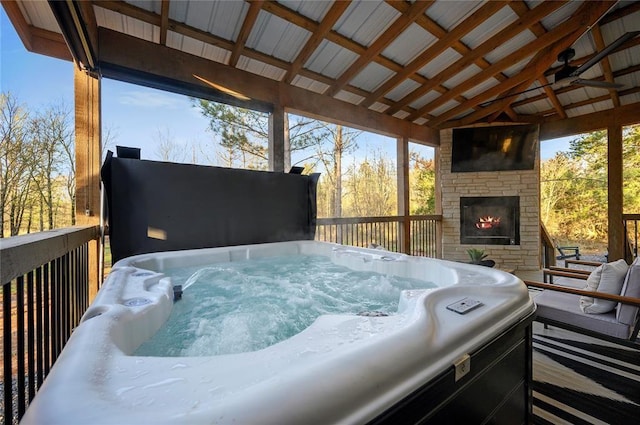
464, 306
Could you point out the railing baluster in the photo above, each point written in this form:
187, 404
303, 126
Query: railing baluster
20, 344
7, 352
46, 314
39, 329
31, 336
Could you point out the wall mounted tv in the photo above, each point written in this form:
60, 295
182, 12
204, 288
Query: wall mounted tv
504, 148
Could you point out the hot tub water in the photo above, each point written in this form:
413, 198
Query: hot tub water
241, 306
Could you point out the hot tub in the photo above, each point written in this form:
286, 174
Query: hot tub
425, 361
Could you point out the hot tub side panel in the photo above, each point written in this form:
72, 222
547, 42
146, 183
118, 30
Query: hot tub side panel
497, 389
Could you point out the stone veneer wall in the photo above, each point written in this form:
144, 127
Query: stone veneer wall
523, 183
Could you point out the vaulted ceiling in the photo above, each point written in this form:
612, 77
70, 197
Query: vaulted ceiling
396, 67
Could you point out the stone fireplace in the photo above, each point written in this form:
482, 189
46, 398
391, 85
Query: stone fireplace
490, 220
458, 188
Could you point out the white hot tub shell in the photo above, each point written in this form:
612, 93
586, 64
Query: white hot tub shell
341, 369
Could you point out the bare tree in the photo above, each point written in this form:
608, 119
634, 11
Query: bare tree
15, 166
342, 141
49, 131
168, 149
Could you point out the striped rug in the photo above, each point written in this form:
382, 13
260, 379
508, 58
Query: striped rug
583, 380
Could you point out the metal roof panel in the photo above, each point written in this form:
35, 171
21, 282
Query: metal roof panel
349, 97
440, 63
365, 20
261, 68
371, 77
490, 27
514, 44
314, 10
309, 84
330, 59
448, 14
413, 41
423, 100
403, 89
39, 14
276, 37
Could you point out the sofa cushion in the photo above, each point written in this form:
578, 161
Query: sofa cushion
631, 288
564, 308
607, 278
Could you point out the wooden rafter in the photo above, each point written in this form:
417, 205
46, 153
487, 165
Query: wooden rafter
34, 39
607, 72
206, 37
398, 26
511, 30
482, 106
164, 21
548, 46
247, 26
431, 52
437, 31
521, 8
329, 20
142, 56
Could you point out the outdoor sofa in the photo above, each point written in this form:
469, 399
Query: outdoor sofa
560, 305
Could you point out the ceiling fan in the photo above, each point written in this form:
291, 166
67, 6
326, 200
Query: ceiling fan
570, 75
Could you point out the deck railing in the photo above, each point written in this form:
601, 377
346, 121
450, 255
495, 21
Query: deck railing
387, 232
45, 292
632, 230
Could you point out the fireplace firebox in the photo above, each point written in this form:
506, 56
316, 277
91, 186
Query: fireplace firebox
490, 220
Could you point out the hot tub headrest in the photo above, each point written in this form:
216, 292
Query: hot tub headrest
161, 206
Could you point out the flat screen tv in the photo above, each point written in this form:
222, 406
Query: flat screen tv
504, 148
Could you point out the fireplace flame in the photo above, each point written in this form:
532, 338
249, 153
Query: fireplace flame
488, 222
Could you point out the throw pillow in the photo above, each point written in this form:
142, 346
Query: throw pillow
607, 278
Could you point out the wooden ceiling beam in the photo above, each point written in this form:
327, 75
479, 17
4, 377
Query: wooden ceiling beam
245, 30
327, 23
521, 8
151, 59
437, 31
624, 115
550, 116
381, 43
548, 46
552, 97
310, 25
34, 39
164, 22
287, 14
619, 73
620, 13
208, 38
91, 23
607, 72
530, 18
463, 28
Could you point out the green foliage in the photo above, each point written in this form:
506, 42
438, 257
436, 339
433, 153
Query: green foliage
243, 134
476, 255
37, 167
422, 178
574, 187
371, 188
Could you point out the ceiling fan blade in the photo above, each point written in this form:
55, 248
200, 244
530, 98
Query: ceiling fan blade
596, 83
604, 52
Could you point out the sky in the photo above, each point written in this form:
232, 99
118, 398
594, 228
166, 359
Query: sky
134, 115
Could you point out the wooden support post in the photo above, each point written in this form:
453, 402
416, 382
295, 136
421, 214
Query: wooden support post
277, 139
88, 158
402, 144
614, 195
438, 196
